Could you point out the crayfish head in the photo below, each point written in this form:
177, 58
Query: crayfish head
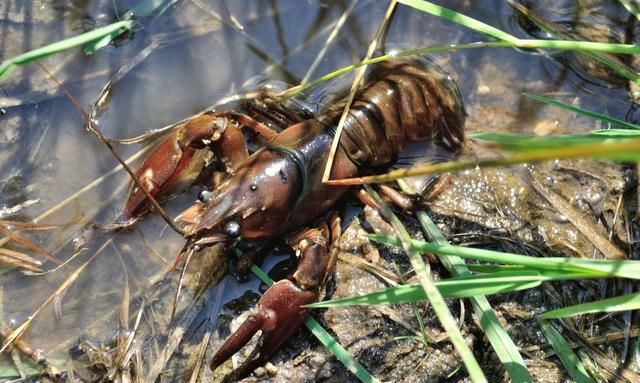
255, 202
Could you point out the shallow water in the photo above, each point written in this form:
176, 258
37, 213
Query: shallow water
188, 59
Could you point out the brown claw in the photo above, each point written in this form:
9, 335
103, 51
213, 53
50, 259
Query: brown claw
278, 314
173, 163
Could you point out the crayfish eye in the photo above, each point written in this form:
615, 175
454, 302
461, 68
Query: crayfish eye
232, 229
205, 196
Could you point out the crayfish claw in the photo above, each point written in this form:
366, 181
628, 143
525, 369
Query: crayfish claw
278, 315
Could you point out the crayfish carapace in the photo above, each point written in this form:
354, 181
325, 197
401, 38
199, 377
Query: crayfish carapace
278, 189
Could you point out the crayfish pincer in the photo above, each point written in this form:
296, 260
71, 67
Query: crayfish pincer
277, 190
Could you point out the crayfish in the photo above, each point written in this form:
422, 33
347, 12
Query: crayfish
278, 189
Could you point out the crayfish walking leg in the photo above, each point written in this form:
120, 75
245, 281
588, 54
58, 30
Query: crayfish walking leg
281, 311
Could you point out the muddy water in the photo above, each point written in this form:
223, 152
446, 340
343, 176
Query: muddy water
200, 52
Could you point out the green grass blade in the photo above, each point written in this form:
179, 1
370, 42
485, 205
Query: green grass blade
144, 8
530, 44
433, 295
629, 149
616, 133
621, 303
462, 287
339, 352
569, 359
470, 286
583, 46
632, 7
588, 268
459, 18
493, 268
502, 344
523, 143
606, 59
60, 46
588, 113
478, 26
528, 142
326, 339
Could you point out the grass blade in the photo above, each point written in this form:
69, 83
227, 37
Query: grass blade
621, 303
629, 149
144, 8
605, 59
523, 143
462, 287
448, 14
616, 133
588, 113
632, 7
339, 352
60, 46
589, 268
478, 26
569, 359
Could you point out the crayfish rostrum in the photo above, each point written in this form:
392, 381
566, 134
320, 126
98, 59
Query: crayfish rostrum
278, 189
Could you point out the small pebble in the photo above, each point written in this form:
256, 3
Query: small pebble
483, 90
545, 127
271, 369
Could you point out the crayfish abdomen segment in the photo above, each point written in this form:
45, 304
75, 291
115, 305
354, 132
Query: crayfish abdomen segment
402, 100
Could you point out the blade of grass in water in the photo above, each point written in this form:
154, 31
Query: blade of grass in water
569, 359
60, 46
621, 303
530, 44
592, 268
588, 113
327, 340
433, 295
589, 48
524, 143
144, 8
459, 18
515, 42
632, 7
555, 30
